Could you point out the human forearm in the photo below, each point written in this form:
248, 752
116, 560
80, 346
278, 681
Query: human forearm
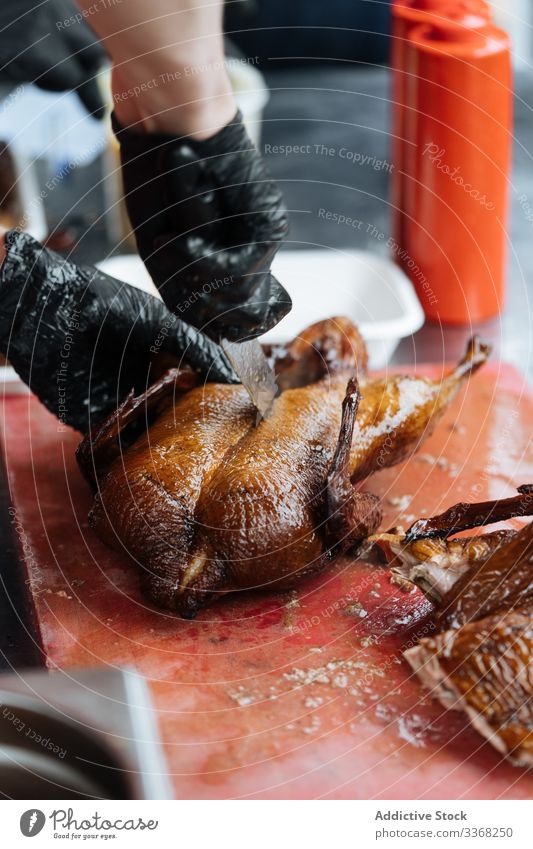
168, 63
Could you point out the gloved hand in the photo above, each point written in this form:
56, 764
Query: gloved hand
208, 221
46, 44
82, 340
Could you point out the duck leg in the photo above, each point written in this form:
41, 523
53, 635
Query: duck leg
396, 415
501, 582
426, 555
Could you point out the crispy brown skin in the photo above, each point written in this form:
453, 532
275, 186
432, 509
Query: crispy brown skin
434, 564
501, 582
397, 414
481, 662
426, 556
465, 515
209, 504
485, 669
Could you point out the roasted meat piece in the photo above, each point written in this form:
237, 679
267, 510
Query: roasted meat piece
398, 413
465, 515
427, 557
481, 661
485, 669
435, 565
207, 503
501, 582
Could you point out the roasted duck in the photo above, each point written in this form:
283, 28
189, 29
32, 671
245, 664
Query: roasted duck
207, 503
465, 516
435, 565
503, 581
468, 578
481, 661
485, 669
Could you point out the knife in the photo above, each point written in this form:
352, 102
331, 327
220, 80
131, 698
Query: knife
251, 367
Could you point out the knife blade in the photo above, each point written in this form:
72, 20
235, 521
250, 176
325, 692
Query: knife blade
251, 367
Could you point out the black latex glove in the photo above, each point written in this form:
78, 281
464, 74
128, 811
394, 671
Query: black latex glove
42, 43
208, 221
82, 340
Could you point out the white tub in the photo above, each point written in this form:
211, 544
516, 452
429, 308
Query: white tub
369, 289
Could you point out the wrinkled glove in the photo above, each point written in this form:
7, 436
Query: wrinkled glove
208, 221
81, 340
47, 43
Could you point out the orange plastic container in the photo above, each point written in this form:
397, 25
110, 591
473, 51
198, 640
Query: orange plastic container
405, 15
458, 153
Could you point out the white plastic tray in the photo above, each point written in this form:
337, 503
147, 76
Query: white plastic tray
369, 289
10, 382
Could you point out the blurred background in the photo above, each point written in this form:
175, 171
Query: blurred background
313, 82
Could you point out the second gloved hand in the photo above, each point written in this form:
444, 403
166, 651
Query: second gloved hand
208, 221
83, 340
48, 43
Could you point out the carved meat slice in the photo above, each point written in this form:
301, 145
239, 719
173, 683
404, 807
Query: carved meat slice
466, 515
485, 669
208, 504
426, 556
435, 565
501, 582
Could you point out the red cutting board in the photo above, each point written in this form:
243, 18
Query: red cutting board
295, 695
